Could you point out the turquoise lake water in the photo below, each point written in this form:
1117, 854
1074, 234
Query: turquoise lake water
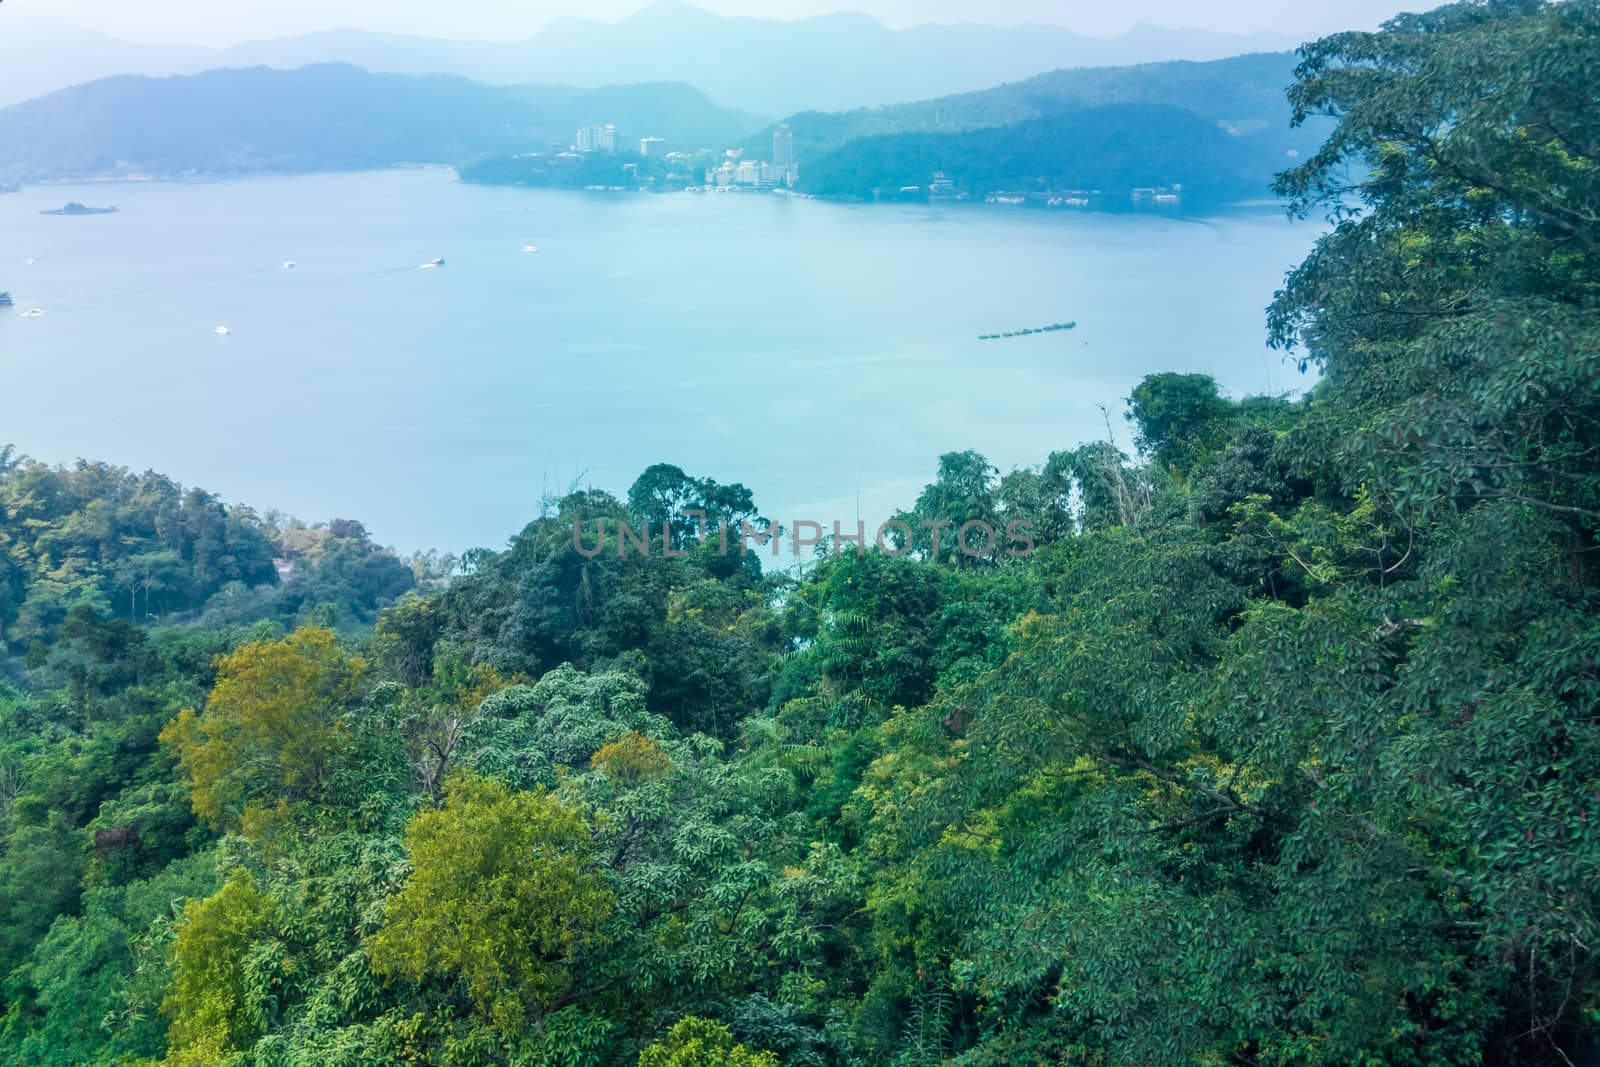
822, 354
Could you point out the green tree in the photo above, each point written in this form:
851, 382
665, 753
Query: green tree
210, 1004
962, 491
697, 1042
276, 725
502, 895
40, 871
1178, 417
1452, 308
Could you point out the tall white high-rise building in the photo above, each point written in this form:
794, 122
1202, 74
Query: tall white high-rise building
783, 146
592, 138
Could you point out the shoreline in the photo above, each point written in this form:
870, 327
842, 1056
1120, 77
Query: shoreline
1196, 206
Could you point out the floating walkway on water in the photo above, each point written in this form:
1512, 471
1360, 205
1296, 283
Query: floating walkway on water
1024, 333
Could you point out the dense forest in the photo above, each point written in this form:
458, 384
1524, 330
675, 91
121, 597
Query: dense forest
1282, 747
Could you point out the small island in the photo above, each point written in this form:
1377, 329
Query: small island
75, 208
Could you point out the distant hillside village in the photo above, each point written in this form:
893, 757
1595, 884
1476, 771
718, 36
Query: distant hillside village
596, 162
662, 168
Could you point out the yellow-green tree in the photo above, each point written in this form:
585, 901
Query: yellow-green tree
631, 759
503, 894
274, 727
208, 999
697, 1042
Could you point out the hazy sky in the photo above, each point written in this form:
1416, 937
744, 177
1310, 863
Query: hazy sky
226, 21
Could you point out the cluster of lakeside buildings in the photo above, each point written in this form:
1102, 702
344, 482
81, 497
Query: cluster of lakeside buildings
736, 171
941, 187
705, 168
1160, 195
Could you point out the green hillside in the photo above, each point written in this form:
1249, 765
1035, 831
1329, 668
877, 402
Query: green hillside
1113, 149
1244, 94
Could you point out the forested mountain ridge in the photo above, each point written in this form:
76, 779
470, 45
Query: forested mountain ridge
324, 117
1281, 748
1244, 94
1111, 149
1220, 129
100, 541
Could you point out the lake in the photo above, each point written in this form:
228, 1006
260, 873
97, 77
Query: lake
822, 354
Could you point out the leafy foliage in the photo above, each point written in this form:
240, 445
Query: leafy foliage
213, 1013
501, 894
696, 1042
144, 549
274, 728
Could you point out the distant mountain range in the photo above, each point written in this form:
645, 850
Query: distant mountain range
768, 66
1220, 128
325, 117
